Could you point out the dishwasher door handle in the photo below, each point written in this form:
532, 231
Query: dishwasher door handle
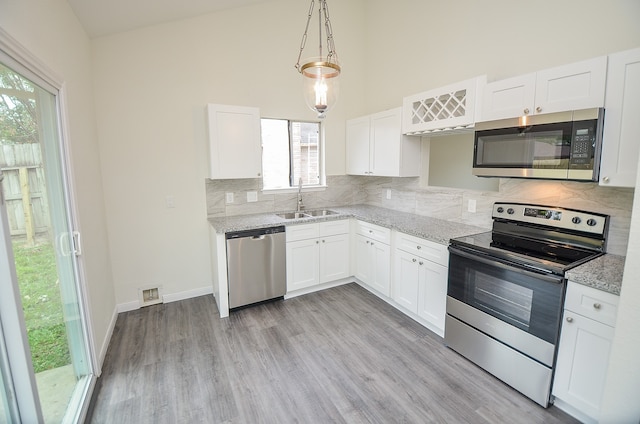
260, 237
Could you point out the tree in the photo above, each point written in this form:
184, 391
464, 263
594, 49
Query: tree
18, 116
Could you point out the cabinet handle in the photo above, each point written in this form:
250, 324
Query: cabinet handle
414, 259
421, 263
538, 109
368, 242
569, 319
323, 241
317, 242
597, 305
418, 247
371, 243
605, 179
526, 111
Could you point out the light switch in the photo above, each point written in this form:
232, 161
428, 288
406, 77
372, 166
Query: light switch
170, 201
252, 196
229, 197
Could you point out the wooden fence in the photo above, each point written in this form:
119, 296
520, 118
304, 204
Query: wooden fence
25, 190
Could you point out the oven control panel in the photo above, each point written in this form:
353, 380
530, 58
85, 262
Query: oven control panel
570, 219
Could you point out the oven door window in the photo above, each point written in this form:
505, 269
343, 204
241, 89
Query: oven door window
530, 302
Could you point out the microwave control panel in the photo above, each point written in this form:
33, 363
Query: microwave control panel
582, 144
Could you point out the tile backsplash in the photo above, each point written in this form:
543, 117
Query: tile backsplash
439, 202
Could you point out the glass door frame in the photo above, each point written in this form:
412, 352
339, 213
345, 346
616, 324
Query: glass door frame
16, 57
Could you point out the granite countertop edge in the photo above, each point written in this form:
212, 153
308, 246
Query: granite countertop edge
432, 229
603, 273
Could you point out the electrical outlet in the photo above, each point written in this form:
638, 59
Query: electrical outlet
229, 197
388, 193
252, 196
471, 207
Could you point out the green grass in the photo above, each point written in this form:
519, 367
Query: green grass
42, 305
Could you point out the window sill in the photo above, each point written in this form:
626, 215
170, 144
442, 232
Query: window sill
305, 189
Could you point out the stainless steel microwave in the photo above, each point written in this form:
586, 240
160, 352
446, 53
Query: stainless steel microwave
557, 146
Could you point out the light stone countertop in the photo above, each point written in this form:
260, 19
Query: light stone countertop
432, 229
603, 273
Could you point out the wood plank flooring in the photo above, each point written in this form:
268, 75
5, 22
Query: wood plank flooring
336, 356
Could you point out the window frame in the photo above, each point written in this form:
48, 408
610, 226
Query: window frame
321, 158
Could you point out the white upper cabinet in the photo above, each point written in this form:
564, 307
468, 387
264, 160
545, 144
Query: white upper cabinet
579, 85
444, 110
376, 146
620, 143
235, 148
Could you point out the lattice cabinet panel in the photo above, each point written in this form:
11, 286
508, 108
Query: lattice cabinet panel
446, 110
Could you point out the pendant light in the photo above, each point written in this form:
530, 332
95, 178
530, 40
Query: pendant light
320, 73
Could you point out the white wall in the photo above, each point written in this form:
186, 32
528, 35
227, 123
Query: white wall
151, 88
417, 45
51, 32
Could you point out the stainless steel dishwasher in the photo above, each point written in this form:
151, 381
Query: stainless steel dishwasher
256, 265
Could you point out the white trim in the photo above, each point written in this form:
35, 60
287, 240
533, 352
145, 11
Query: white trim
22, 61
106, 341
319, 287
167, 298
188, 294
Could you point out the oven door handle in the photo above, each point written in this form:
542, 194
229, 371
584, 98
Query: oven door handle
483, 258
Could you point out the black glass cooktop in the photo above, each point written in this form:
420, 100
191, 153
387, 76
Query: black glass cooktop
541, 255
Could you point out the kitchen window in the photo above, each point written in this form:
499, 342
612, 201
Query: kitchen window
291, 150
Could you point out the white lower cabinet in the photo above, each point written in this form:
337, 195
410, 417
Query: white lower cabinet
420, 279
317, 253
583, 353
372, 256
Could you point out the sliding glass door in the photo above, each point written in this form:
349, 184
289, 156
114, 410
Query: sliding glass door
46, 343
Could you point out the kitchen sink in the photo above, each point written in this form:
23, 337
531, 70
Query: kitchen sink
293, 215
321, 212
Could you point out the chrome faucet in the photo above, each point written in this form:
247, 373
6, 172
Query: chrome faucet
300, 205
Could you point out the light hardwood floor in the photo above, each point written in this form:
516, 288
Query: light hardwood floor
336, 356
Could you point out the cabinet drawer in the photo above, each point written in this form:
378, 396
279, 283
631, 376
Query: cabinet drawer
592, 303
302, 232
374, 232
332, 228
426, 249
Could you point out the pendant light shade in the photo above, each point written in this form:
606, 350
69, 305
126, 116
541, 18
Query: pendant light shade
320, 75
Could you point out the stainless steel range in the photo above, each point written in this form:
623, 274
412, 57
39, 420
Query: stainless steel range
506, 290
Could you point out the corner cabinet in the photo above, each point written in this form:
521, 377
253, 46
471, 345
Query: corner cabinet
583, 353
420, 283
372, 256
235, 148
620, 149
376, 146
444, 110
579, 85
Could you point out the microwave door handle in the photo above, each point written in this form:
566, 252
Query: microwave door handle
482, 258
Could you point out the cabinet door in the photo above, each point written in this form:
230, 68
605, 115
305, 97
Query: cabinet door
235, 149
621, 125
302, 264
407, 277
432, 294
509, 97
334, 258
583, 358
579, 85
385, 142
362, 263
357, 141
381, 266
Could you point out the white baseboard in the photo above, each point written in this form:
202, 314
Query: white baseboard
174, 297
168, 298
319, 287
106, 341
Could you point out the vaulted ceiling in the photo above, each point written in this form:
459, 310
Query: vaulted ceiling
101, 17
